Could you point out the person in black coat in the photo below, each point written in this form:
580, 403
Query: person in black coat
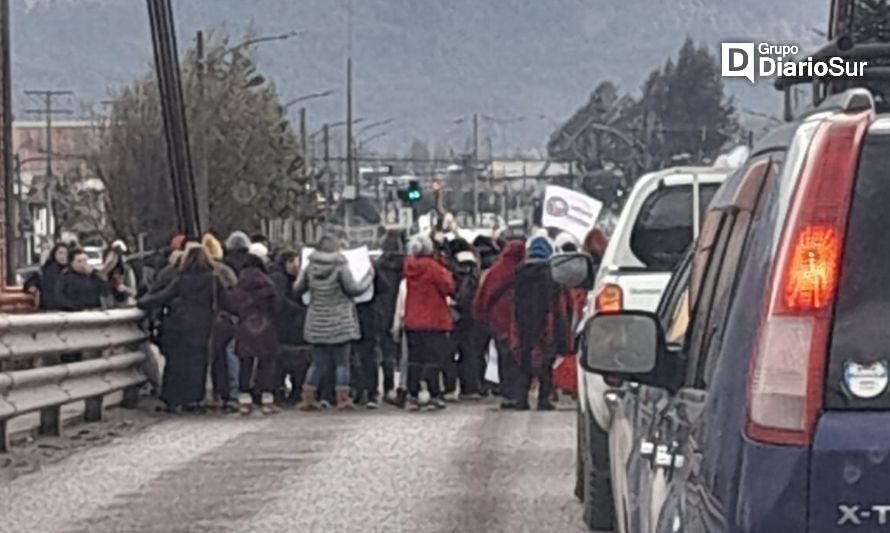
390, 269
80, 287
237, 251
290, 318
44, 283
193, 300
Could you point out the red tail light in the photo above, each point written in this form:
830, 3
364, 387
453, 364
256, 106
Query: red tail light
787, 371
610, 299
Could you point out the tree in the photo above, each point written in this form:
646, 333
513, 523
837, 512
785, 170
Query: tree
255, 169
681, 111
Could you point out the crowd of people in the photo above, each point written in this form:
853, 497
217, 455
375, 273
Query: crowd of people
270, 331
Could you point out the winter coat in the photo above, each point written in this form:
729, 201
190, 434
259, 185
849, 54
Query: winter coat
370, 314
254, 301
236, 260
290, 312
192, 300
466, 278
79, 292
390, 269
332, 317
46, 284
430, 284
543, 313
494, 302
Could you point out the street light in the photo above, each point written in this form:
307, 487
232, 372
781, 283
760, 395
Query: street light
375, 125
256, 40
310, 96
336, 125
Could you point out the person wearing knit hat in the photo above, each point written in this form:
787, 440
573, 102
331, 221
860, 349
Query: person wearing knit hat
566, 242
223, 377
237, 251
540, 247
260, 250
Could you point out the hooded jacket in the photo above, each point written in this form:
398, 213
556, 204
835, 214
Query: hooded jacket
80, 292
430, 284
495, 300
332, 317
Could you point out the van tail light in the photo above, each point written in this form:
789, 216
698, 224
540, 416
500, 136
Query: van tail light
787, 370
610, 299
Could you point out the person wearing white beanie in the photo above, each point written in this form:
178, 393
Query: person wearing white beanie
259, 249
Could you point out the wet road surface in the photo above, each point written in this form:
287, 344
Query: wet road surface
470, 468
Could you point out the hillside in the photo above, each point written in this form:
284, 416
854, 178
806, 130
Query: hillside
423, 62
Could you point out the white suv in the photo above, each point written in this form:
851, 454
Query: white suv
658, 223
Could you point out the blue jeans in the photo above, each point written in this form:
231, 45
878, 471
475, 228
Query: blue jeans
325, 356
233, 367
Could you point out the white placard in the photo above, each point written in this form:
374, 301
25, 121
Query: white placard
359, 260
570, 211
491, 368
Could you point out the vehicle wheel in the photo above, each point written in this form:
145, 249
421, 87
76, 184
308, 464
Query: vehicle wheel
579, 456
599, 507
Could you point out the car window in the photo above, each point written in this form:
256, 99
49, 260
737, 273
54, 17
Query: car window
719, 267
663, 229
860, 338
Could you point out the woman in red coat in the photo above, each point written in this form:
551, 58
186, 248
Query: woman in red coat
428, 321
494, 308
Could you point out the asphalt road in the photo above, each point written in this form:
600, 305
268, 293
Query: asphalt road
470, 468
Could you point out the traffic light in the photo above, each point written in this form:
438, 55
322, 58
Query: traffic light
412, 194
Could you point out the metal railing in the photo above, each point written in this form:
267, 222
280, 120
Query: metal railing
113, 347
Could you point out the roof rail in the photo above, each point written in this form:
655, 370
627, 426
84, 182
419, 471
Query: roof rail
855, 99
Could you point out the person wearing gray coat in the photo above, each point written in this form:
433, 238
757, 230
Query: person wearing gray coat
332, 319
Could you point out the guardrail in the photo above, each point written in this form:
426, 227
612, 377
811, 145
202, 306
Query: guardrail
114, 347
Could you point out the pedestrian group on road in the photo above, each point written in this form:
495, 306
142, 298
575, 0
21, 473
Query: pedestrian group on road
442, 310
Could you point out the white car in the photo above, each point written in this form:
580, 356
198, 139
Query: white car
658, 223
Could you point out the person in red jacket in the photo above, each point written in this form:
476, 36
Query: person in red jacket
428, 320
493, 308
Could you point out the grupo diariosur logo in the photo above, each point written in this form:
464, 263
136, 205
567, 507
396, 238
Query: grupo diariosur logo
766, 60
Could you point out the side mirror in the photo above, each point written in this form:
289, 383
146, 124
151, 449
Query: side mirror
573, 271
631, 346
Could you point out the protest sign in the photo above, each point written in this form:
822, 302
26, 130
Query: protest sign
570, 211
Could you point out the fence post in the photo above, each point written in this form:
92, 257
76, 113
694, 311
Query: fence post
4, 437
50, 422
93, 409
131, 398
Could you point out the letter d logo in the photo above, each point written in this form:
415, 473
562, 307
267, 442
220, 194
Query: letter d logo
737, 60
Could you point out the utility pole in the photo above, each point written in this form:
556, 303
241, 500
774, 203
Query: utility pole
203, 180
476, 168
179, 154
7, 256
349, 161
329, 176
47, 97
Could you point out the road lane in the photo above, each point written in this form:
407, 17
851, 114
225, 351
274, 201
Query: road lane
470, 468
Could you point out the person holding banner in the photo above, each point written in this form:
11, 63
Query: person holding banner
332, 319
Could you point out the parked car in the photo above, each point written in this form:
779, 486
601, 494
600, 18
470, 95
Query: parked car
771, 412
658, 223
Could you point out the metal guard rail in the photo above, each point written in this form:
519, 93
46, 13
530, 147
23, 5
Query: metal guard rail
115, 334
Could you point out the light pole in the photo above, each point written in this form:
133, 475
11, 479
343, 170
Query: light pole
203, 180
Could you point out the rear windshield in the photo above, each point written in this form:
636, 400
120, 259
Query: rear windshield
663, 230
860, 347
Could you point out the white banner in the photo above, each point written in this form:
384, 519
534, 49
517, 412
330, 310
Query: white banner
570, 211
359, 260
